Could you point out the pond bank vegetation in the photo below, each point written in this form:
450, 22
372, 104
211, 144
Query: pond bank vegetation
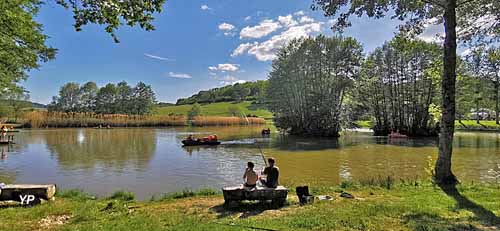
43, 119
383, 204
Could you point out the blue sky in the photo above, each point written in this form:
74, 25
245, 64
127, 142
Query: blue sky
196, 45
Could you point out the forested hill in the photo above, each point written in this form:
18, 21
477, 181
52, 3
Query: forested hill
254, 91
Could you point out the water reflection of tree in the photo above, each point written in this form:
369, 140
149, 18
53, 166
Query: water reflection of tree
91, 148
5, 175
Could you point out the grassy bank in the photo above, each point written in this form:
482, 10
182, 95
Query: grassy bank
218, 109
40, 119
401, 206
466, 125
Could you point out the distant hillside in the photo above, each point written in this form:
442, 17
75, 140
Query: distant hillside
246, 108
24, 103
38, 105
252, 91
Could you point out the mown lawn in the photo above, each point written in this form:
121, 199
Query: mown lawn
464, 124
404, 206
218, 109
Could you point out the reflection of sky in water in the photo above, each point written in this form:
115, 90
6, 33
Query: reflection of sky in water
152, 161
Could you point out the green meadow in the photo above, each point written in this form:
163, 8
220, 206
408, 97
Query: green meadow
376, 206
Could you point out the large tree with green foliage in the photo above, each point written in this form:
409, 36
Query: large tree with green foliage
308, 83
23, 43
478, 20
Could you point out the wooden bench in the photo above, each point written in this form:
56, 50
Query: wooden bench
239, 193
12, 192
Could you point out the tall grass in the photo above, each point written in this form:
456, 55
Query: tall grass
43, 119
221, 121
40, 119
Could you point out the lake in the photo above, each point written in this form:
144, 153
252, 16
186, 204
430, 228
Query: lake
151, 161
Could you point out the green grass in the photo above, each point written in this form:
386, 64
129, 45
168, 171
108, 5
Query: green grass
464, 125
402, 206
218, 109
473, 125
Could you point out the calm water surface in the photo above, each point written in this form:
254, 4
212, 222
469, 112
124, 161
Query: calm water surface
151, 161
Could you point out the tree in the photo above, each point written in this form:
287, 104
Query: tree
68, 99
234, 110
194, 111
18, 102
484, 65
22, 42
417, 14
308, 83
143, 98
124, 103
106, 99
88, 97
400, 79
113, 13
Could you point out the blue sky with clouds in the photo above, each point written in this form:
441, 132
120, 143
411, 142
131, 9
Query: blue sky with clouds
196, 45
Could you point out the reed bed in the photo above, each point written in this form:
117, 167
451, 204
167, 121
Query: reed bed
41, 119
44, 119
225, 121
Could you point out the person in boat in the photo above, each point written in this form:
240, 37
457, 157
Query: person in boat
272, 173
250, 177
190, 138
4, 132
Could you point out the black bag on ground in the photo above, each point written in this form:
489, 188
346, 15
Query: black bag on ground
303, 195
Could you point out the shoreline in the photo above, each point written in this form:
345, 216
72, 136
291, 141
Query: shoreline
378, 205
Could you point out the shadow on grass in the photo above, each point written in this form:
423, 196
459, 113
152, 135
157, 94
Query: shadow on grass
426, 221
484, 215
245, 209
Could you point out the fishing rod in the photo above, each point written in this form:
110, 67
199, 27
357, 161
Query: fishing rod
261, 152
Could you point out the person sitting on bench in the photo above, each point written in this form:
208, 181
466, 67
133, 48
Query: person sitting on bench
272, 173
250, 176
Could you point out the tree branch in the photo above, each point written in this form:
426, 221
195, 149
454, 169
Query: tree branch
434, 3
464, 2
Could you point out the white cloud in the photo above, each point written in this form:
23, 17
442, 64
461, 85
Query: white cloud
180, 75
299, 13
226, 26
306, 19
242, 48
157, 57
228, 80
287, 21
248, 18
264, 28
205, 7
266, 51
225, 67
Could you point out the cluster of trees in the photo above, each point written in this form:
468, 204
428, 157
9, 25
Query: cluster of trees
110, 99
399, 82
237, 92
478, 82
308, 83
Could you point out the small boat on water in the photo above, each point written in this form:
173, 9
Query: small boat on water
6, 142
199, 142
210, 140
397, 135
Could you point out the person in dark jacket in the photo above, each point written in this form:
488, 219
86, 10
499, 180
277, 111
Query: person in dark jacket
272, 173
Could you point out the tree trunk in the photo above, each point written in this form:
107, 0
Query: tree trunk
443, 174
496, 100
